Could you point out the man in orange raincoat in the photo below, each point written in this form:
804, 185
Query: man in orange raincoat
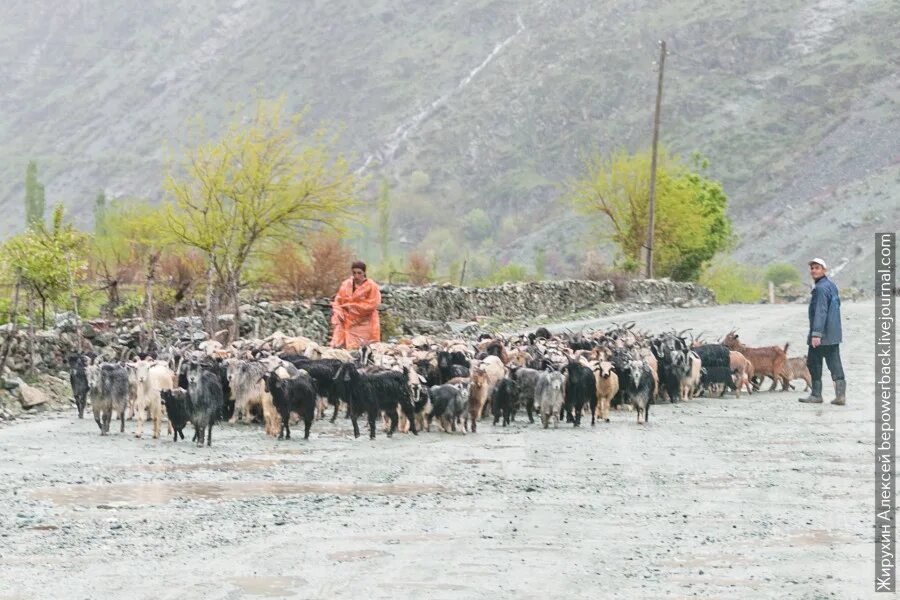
354, 312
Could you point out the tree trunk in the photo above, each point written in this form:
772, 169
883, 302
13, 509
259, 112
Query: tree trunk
235, 290
43, 312
151, 277
210, 300
75, 305
30, 333
13, 325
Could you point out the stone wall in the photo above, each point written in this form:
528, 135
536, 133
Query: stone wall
520, 300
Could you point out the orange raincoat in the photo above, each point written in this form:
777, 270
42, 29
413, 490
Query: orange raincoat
354, 315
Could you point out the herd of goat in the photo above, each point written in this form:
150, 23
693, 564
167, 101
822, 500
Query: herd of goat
411, 383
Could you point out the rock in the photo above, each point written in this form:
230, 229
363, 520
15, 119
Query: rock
66, 321
12, 384
30, 396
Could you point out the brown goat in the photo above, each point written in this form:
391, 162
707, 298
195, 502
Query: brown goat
743, 372
797, 369
768, 361
479, 387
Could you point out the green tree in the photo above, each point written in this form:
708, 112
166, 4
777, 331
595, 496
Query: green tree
690, 224
45, 262
477, 224
780, 273
733, 282
384, 220
128, 248
100, 213
261, 182
540, 262
34, 196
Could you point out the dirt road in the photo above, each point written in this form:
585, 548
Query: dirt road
760, 497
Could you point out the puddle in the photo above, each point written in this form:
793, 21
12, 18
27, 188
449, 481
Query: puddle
818, 537
355, 555
267, 586
717, 581
160, 493
719, 560
237, 465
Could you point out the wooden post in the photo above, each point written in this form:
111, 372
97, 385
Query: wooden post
659, 90
771, 293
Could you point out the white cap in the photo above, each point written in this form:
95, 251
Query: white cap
818, 261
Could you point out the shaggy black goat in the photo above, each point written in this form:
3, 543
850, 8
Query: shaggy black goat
297, 394
79, 381
715, 363
323, 372
372, 393
205, 400
581, 388
178, 410
505, 400
527, 381
446, 361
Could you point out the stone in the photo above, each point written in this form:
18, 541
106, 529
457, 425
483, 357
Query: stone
66, 321
31, 396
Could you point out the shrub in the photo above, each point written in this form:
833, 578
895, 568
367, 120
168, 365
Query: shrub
782, 273
418, 269
733, 282
595, 269
315, 270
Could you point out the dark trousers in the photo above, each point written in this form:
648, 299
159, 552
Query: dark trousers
832, 355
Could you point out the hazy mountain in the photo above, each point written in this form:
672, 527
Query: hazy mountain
479, 103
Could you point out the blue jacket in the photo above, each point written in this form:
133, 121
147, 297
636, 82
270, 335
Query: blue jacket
825, 313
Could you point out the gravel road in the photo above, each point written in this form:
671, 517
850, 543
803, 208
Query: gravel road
760, 497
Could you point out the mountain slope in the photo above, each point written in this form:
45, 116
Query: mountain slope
495, 102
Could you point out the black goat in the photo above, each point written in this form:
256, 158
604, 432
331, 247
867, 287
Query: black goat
323, 372
581, 388
429, 370
178, 410
79, 381
448, 403
527, 382
638, 388
446, 361
715, 361
296, 394
505, 400
110, 393
672, 363
206, 401
372, 393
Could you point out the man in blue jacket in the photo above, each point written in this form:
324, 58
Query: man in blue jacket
824, 335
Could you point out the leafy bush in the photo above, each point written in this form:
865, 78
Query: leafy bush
504, 274
594, 269
733, 282
418, 269
312, 271
782, 273
477, 225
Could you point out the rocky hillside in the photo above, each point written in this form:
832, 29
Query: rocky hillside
487, 104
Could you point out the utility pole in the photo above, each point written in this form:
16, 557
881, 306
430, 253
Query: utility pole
659, 90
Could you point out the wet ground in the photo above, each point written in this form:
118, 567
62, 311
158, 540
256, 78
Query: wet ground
758, 497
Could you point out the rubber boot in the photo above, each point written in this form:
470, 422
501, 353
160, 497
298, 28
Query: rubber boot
815, 395
840, 392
